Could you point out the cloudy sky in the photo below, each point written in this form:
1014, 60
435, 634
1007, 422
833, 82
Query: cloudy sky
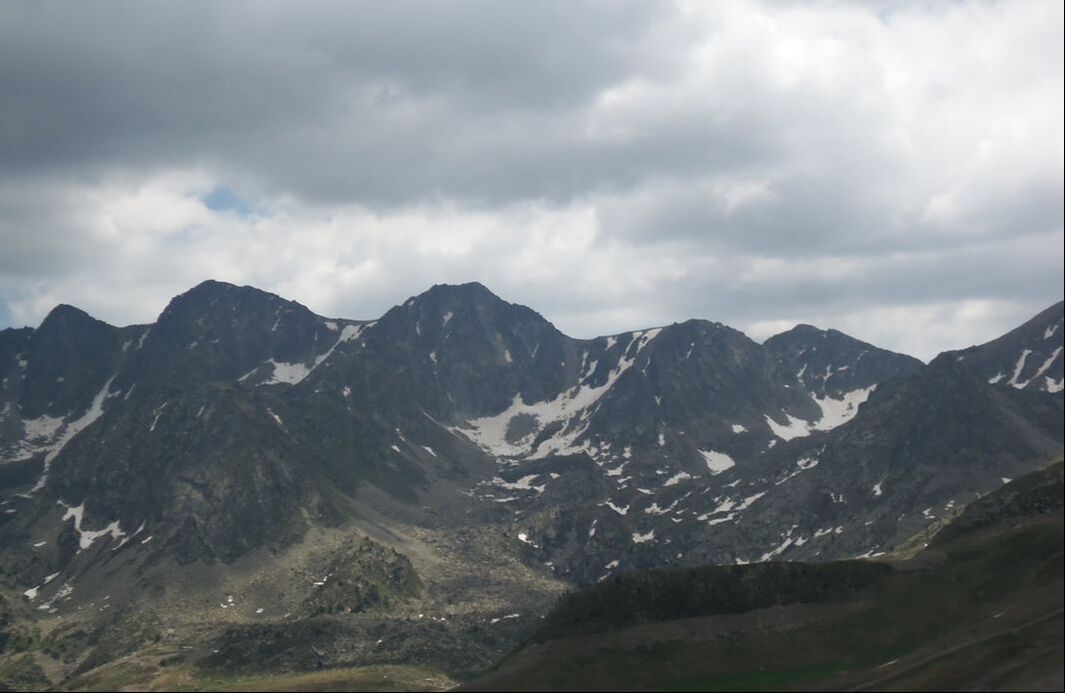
891, 169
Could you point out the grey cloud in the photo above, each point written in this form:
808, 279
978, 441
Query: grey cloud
1027, 271
38, 233
136, 84
703, 149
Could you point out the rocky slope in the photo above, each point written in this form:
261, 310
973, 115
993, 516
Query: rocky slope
979, 609
241, 435
1027, 358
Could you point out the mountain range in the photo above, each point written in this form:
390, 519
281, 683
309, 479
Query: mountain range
268, 487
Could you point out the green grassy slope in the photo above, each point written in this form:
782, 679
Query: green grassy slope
980, 607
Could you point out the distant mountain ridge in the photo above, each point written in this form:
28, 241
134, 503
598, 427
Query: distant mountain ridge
241, 426
667, 408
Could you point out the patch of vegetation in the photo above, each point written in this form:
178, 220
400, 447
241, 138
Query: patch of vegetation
116, 676
258, 648
127, 633
372, 678
633, 598
22, 673
16, 635
762, 680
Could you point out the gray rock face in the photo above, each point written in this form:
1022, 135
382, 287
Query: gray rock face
239, 420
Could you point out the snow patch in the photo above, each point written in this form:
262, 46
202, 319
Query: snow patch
783, 546
95, 411
677, 478
1042, 368
489, 432
87, 536
642, 538
522, 484
653, 509
801, 465
717, 462
871, 553
834, 412
737, 428
295, 373
158, 413
31, 593
749, 501
729, 506
290, 373
1018, 368
794, 428
42, 427
524, 538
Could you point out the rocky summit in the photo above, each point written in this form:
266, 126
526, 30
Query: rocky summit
246, 486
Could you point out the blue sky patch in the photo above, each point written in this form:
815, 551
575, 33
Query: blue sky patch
225, 199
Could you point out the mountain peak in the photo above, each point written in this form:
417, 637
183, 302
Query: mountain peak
212, 285
464, 302
444, 293
65, 317
65, 311
218, 298
832, 363
214, 289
